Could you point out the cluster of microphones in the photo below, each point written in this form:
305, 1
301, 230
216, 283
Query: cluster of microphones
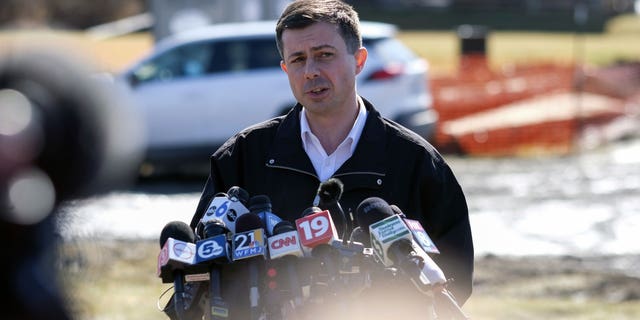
292, 265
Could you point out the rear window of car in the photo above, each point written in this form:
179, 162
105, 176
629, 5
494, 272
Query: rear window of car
389, 49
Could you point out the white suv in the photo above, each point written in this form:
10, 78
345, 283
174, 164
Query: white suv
198, 88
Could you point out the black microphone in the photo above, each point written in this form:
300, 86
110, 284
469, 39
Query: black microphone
249, 244
393, 243
372, 210
369, 211
317, 234
214, 251
310, 210
261, 206
284, 245
177, 230
329, 194
240, 194
177, 251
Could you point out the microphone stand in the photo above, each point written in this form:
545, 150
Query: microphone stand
218, 308
444, 303
178, 297
254, 294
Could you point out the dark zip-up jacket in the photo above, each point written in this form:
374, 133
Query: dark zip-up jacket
390, 162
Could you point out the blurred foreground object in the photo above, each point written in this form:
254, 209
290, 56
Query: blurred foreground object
64, 134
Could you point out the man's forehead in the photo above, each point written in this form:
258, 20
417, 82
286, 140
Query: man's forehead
315, 36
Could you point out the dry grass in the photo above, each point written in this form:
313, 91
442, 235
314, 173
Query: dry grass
111, 55
116, 280
113, 280
441, 49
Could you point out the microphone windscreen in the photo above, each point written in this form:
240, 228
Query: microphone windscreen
214, 227
241, 194
177, 230
260, 203
248, 222
372, 210
283, 226
330, 190
310, 211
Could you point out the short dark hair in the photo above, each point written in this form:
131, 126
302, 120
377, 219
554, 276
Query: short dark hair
303, 13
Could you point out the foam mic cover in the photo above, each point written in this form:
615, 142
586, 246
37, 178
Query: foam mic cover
261, 206
329, 194
214, 227
372, 210
177, 230
283, 226
240, 194
259, 203
248, 222
330, 191
310, 211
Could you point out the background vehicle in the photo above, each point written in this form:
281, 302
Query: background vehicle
198, 88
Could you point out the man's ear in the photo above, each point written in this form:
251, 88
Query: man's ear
361, 57
283, 66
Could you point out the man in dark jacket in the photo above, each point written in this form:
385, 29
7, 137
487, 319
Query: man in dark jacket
333, 132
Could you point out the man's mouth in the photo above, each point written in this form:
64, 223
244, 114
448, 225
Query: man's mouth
317, 90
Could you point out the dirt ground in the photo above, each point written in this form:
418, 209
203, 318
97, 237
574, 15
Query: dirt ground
613, 279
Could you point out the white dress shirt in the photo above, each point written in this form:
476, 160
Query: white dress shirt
326, 165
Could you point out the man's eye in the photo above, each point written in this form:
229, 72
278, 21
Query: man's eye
298, 59
326, 54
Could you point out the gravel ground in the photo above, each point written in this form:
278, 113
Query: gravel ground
613, 279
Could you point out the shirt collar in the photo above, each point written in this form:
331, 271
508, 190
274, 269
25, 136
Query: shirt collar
353, 136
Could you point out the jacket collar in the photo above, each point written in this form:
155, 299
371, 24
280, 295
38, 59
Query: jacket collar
368, 157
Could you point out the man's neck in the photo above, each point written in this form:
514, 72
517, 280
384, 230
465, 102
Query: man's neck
332, 129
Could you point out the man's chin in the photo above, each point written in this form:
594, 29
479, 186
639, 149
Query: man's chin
317, 106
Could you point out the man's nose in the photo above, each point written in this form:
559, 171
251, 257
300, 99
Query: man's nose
311, 69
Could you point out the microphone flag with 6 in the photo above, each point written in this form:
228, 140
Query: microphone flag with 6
226, 208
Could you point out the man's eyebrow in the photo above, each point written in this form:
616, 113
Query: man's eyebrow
324, 46
316, 48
